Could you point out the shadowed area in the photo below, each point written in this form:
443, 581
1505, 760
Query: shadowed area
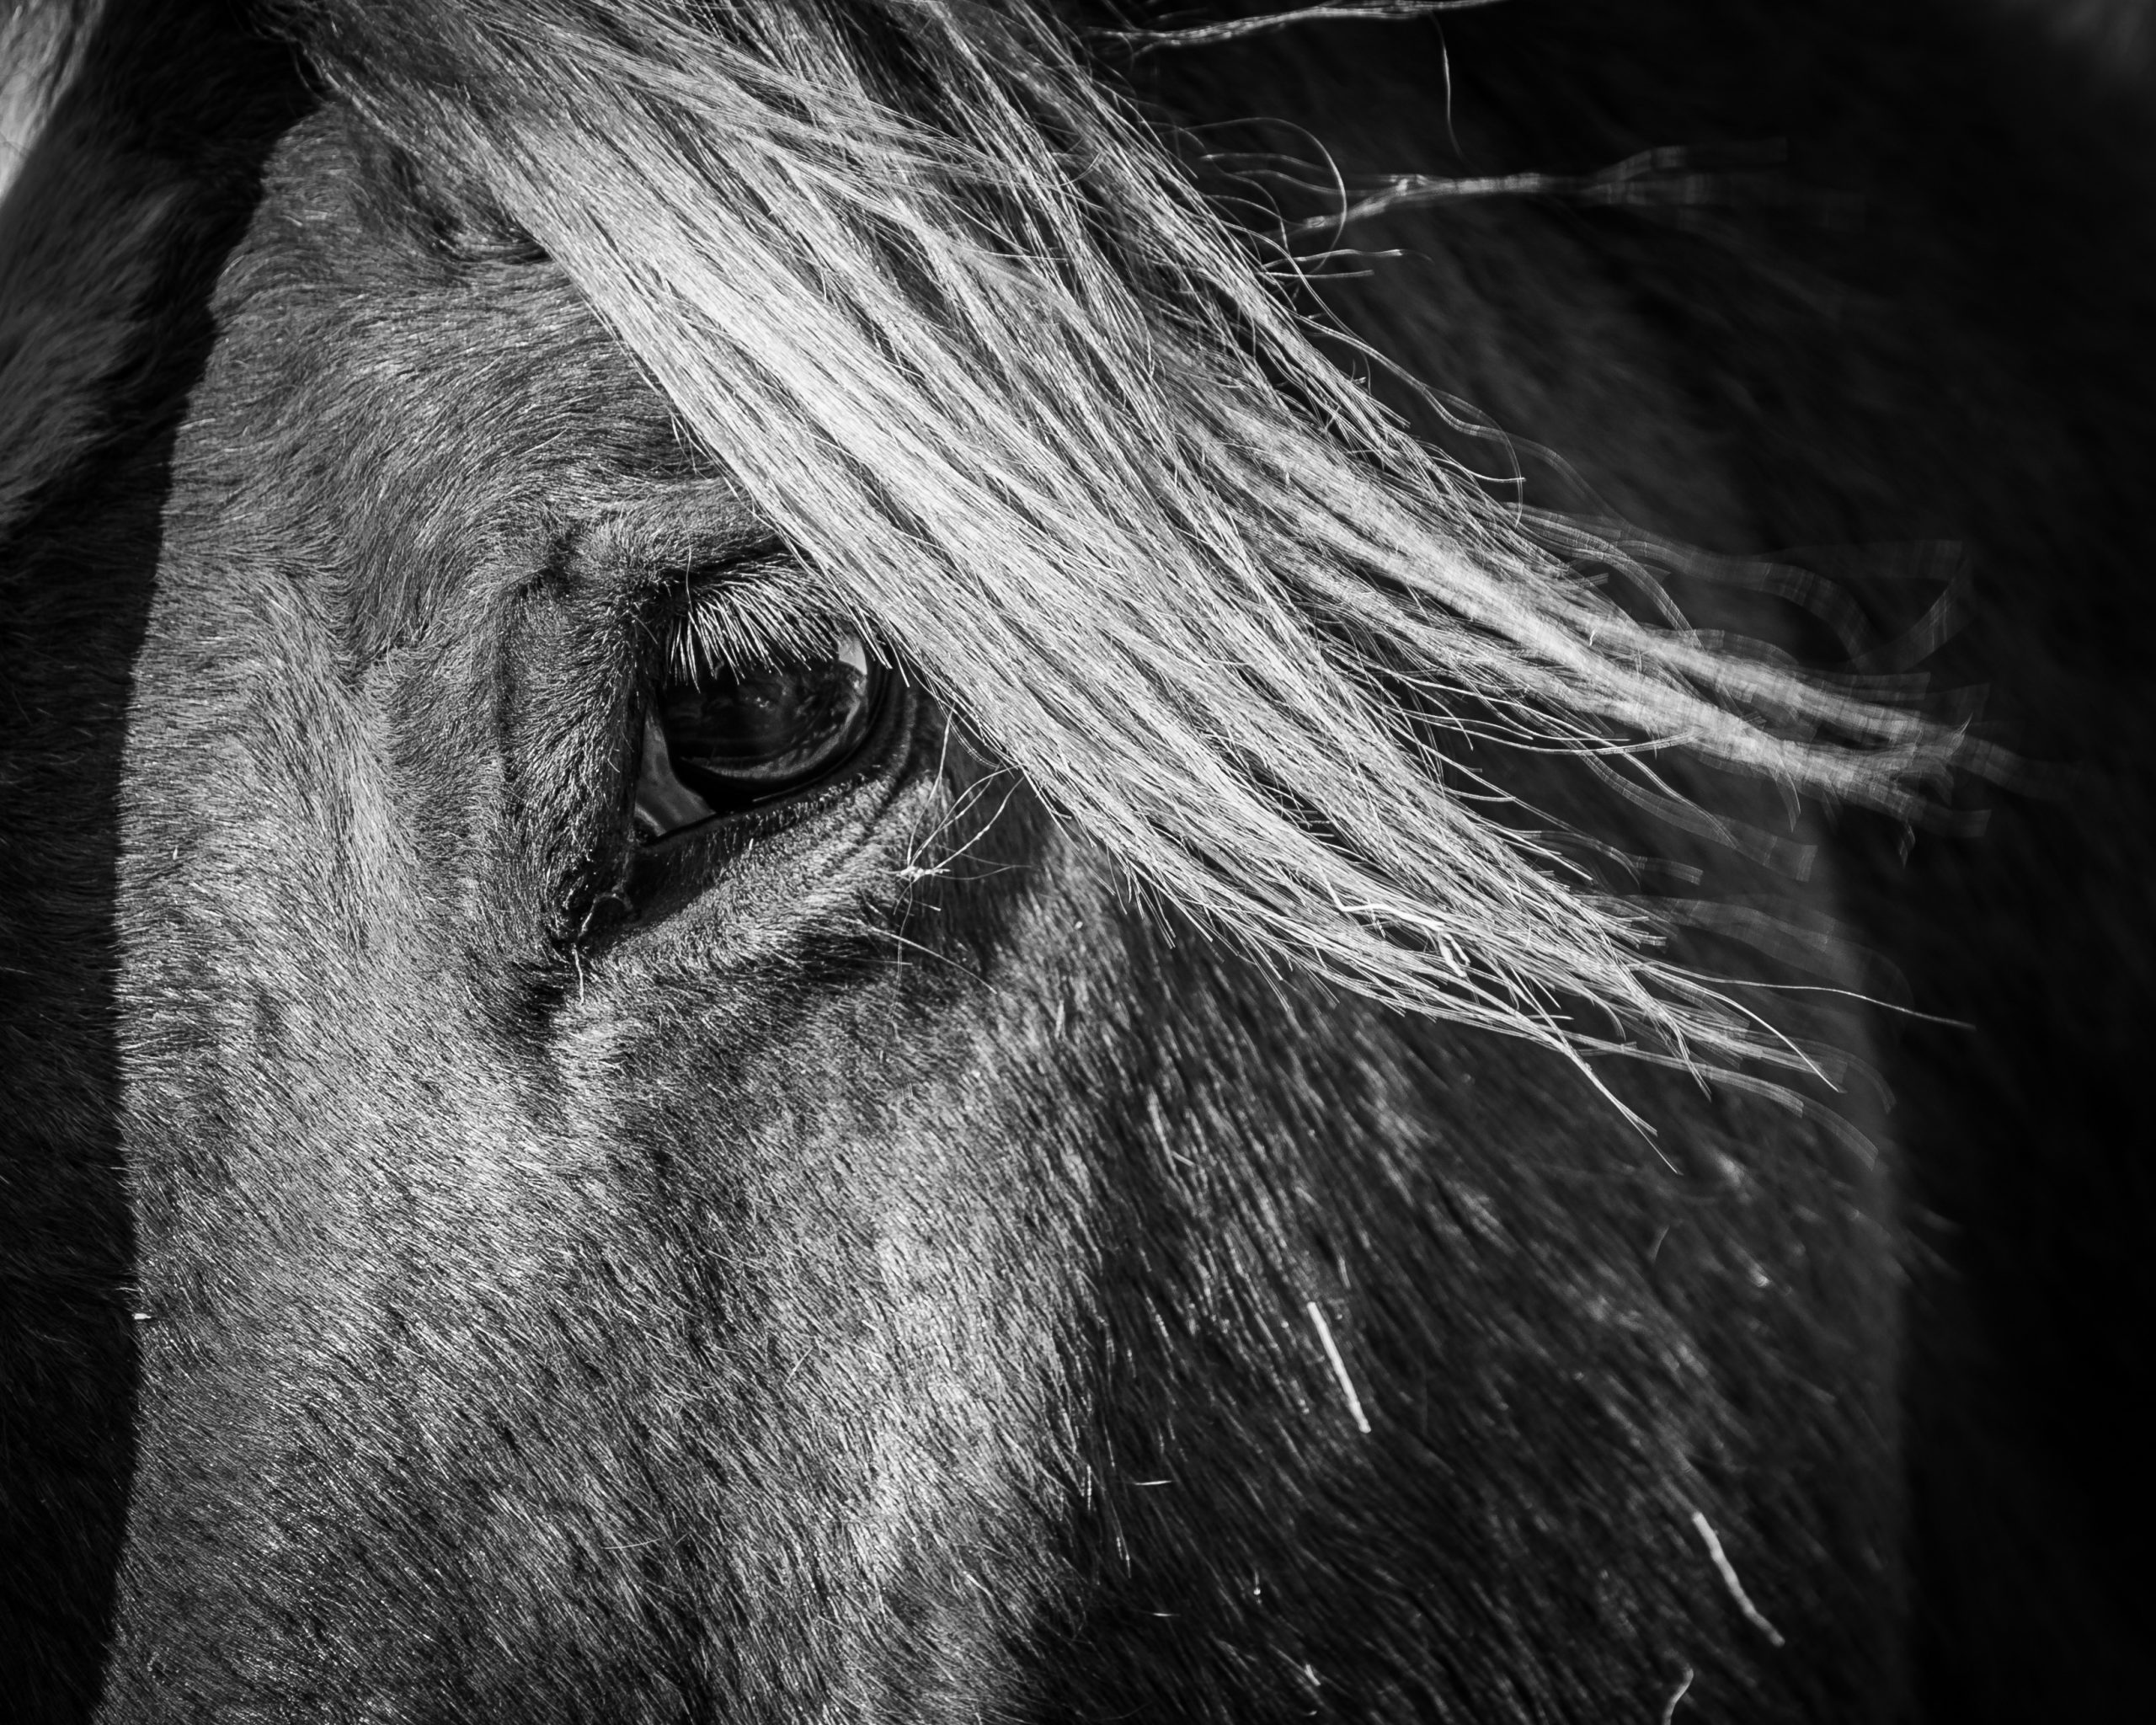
125, 219
510, 1241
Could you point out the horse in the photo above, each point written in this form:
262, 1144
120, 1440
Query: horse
923, 860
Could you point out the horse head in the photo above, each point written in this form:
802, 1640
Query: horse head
798, 934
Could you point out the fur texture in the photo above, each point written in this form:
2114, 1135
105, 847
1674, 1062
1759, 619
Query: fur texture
1019, 400
856, 1263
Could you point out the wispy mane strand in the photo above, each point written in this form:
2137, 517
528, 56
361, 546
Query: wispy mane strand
1018, 396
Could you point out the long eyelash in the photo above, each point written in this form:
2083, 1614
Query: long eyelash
750, 616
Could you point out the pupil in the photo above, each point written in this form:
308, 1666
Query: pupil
739, 735
758, 721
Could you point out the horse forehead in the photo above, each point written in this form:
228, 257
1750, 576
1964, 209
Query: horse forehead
389, 401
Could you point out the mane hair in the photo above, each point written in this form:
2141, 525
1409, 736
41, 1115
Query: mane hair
1025, 407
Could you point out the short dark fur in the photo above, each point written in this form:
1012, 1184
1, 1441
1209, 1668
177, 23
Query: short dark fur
882, 1272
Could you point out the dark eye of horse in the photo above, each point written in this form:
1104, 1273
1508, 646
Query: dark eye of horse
736, 736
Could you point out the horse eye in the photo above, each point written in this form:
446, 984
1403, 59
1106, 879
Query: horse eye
739, 735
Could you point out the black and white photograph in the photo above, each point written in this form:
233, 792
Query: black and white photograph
1077, 862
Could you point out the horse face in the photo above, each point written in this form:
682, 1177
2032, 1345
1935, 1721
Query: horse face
571, 1265
827, 1260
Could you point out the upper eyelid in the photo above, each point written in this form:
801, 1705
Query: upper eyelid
708, 524
697, 562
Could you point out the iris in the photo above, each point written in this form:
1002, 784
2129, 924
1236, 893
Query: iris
736, 736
